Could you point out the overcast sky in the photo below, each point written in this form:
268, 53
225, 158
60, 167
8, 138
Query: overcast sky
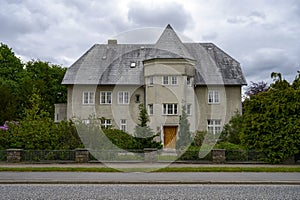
263, 35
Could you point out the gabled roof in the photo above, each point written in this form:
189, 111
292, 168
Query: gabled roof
110, 64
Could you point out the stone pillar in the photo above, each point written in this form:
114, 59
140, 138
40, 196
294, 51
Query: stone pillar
150, 155
81, 155
218, 156
14, 155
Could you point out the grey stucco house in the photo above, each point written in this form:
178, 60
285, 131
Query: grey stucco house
110, 80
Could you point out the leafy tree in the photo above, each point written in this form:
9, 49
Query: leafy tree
255, 88
184, 139
271, 121
231, 132
8, 101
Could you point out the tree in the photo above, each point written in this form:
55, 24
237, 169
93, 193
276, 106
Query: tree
271, 122
143, 132
232, 131
255, 88
184, 139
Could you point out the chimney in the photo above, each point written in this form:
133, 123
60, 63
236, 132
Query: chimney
112, 42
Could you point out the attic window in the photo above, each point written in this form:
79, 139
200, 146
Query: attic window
132, 64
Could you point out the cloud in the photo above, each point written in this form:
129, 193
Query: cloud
159, 15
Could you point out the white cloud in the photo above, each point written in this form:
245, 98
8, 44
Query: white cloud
261, 34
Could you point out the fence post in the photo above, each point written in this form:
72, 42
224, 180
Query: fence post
218, 156
81, 155
150, 155
14, 155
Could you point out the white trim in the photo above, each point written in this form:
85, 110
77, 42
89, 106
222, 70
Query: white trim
106, 100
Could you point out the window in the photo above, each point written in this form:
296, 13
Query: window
137, 98
174, 80
214, 126
151, 80
88, 97
105, 123
86, 121
169, 80
189, 81
170, 109
165, 80
189, 109
150, 109
132, 65
213, 96
123, 125
105, 97
123, 97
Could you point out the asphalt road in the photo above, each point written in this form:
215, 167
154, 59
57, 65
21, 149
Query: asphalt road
140, 192
140, 177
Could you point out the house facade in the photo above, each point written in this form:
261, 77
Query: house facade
111, 80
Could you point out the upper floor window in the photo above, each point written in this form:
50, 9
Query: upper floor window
150, 109
123, 97
169, 80
88, 98
189, 109
105, 123
170, 109
214, 126
213, 96
123, 125
137, 98
151, 80
105, 97
189, 81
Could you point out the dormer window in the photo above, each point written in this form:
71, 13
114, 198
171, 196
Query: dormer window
132, 64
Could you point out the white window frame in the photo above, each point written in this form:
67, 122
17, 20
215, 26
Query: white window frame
170, 80
213, 97
170, 109
189, 109
214, 126
123, 125
150, 109
165, 80
123, 97
106, 123
151, 83
107, 97
88, 98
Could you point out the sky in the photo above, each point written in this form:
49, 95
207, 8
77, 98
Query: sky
262, 35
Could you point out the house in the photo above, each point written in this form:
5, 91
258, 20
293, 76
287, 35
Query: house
110, 81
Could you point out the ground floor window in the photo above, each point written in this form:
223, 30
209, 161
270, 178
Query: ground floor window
123, 125
214, 126
105, 123
170, 109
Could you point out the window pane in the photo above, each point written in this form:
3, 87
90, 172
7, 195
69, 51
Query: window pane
174, 80
210, 96
175, 109
170, 109
216, 97
150, 107
85, 98
108, 97
164, 109
151, 80
188, 109
102, 97
165, 80
91, 98
126, 97
120, 97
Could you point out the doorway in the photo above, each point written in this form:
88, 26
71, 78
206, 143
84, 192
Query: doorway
170, 137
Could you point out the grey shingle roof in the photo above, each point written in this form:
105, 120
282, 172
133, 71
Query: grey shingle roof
110, 63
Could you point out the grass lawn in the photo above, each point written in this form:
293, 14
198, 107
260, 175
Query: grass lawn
167, 169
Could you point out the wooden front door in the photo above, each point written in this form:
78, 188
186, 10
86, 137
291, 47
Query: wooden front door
170, 137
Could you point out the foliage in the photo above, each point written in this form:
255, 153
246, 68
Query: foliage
231, 132
184, 134
229, 146
255, 88
37, 131
17, 81
143, 133
199, 138
271, 123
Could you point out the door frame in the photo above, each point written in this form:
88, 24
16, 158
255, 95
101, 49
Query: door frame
163, 135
